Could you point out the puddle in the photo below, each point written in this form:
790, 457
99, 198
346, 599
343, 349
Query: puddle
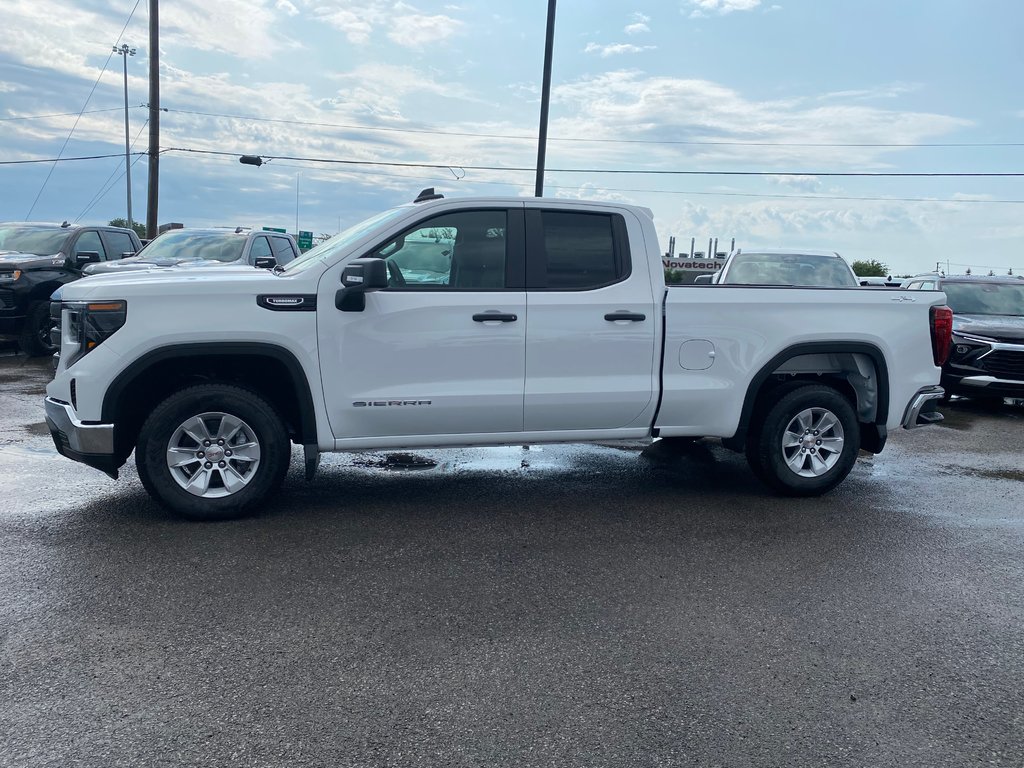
994, 474
20, 449
395, 461
38, 430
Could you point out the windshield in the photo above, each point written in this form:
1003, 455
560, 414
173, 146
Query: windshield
183, 245
789, 269
43, 241
985, 298
342, 240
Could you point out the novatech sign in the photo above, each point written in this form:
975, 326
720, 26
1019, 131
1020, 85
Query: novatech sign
709, 265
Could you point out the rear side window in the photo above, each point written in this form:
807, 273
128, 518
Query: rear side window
120, 243
581, 250
284, 251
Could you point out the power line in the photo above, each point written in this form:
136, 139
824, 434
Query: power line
64, 160
523, 137
60, 114
60, 154
619, 171
108, 185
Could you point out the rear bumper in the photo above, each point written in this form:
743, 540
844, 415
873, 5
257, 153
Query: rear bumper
921, 410
91, 444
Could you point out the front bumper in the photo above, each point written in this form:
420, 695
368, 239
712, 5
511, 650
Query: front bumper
91, 444
982, 385
921, 410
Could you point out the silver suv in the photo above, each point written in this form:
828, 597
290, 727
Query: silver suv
207, 247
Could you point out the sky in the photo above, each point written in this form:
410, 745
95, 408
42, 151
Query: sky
727, 118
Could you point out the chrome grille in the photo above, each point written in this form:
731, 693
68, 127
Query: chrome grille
1003, 364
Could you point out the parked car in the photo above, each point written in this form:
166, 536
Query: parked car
987, 355
36, 259
208, 247
546, 321
769, 266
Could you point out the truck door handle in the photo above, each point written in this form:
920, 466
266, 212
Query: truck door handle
634, 316
490, 317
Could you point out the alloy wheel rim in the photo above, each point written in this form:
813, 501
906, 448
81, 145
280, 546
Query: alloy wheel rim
213, 454
812, 442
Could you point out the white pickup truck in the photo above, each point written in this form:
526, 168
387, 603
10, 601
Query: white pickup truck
455, 322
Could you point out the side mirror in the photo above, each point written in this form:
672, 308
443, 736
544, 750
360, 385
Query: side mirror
265, 262
359, 277
86, 257
703, 280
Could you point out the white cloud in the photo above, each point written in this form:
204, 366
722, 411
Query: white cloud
703, 8
247, 29
719, 127
801, 183
616, 49
287, 7
637, 28
404, 23
417, 30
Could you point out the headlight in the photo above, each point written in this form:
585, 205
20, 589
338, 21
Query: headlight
9, 276
967, 347
91, 323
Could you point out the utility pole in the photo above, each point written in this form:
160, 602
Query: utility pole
154, 120
124, 52
545, 99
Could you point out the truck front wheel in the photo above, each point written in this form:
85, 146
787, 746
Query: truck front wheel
35, 334
806, 443
212, 452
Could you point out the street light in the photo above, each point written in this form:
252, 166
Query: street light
125, 51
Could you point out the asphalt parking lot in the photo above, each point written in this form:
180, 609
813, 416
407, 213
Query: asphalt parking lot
551, 606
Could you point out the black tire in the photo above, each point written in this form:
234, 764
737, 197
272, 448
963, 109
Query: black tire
262, 426
779, 466
35, 334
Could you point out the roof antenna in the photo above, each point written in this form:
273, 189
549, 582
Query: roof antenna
428, 194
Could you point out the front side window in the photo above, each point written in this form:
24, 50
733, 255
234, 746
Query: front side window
580, 250
90, 241
284, 251
260, 249
465, 250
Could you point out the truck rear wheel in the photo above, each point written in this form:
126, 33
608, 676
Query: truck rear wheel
35, 334
806, 443
212, 452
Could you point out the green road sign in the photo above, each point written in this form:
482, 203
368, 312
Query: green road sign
305, 240
282, 230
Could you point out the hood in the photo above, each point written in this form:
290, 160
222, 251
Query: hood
17, 260
173, 281
1009, 328
135, 263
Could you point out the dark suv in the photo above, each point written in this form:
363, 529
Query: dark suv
987, 357
35, 260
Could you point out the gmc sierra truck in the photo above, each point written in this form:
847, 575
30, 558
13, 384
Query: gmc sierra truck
456, 322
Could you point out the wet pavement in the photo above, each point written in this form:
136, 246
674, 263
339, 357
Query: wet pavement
578, 605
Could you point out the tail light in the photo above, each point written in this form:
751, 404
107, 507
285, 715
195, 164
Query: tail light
942, 334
